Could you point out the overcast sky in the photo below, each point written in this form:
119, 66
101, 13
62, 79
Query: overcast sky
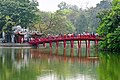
51, 5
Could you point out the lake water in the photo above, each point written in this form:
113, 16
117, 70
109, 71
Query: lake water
58, 64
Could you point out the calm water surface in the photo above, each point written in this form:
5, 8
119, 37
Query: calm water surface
58, 64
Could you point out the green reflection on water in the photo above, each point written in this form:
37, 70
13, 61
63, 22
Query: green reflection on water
36, 64
109, 66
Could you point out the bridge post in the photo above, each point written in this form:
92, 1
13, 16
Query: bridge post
86, 45
57, 43
96, 42
72, 44
44, 44
64, 43
79, 52
79, 43
50, 44
88, 48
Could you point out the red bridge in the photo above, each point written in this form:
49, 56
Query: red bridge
87, 38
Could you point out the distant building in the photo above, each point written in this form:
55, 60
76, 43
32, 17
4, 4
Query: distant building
21, 35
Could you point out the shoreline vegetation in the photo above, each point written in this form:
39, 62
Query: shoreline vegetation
110, 28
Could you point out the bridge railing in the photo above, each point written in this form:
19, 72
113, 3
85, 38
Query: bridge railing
65, 37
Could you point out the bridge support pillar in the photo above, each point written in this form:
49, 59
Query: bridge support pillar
50, 44
44, 44
57, 43
86, 45
88, 48
96, 42
79, 43
79, 48
79, 52
64, 44
72, 44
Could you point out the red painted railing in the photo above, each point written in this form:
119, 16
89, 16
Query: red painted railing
37, 41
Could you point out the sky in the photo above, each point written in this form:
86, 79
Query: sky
51, 5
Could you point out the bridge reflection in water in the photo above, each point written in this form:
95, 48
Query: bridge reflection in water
85, 65
40, 64
36, 53
49, 64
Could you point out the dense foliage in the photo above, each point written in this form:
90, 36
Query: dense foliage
110, 27
20, 12
16, 12
54, 23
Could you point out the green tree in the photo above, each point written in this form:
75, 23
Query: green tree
81, 23
20, 12
91, 15
83, 20
55, 23
63, 5
109, 27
